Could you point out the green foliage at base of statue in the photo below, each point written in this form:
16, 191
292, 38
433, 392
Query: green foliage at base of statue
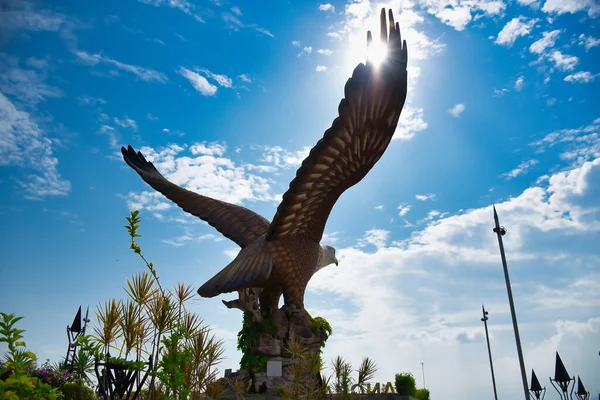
422, 394
321, 326
247, 339
405, 384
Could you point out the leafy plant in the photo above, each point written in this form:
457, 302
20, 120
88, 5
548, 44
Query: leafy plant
247, 338
55, 376
153, 322
76, 391
26, 387
18, 385
366, 372
405, 384
342, 371
422, 394
17, 359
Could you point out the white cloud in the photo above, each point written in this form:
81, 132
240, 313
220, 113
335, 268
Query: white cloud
145, 74
222, 80
207, 172
520, 170
500, 92
325, 52
38, 63
209, 149
234, 23
245, 78
459, 14
321, 68
411, 122
24, 144
276, 157
22, 15
572, 6
376, 237
403, 209
296, 43
581, 77
326, 7
379, 207
562, 61
546, 42
236, 10
198, 82
588, 41
331, 238
578, 145
519, 83
308, 49
26, 85
453, 262
182, 5
423, 197
457, 17
457, 110
111, 133
518, 26
126, 123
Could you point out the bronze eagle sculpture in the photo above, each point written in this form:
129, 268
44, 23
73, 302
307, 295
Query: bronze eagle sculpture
280, 257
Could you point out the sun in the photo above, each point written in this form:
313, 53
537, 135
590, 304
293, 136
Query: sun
376, 53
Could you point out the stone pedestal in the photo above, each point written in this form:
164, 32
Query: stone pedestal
293, 339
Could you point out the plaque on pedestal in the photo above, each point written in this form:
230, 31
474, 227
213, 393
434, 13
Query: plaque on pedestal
274, 368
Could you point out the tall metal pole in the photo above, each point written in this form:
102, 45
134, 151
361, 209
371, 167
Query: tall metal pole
423, 370
487, 338
500, 231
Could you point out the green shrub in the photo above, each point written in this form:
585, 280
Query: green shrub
76, 391
26, 387
405, 384
422, 394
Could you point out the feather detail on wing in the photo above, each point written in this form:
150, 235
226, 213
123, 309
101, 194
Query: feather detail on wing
237, 223
250, 268
368, 116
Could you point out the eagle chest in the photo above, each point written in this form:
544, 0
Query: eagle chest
294, 259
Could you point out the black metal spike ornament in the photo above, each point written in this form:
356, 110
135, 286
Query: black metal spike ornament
581, 393
536, 389
562, 381
75, 331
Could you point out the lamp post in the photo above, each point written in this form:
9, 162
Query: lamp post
487, 339
423, 371
500, 231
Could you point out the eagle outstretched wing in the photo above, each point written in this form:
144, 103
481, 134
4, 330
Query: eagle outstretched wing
367, 119
237, 223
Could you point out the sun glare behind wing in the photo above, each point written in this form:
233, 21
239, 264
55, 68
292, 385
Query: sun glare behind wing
376, 53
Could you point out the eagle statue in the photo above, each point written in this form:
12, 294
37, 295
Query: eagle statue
281, 256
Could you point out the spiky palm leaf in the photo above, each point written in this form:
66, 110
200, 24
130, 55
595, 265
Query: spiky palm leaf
108, 319
366, 372
130, 324
141, 288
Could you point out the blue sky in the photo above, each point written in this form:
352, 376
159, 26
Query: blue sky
226, 98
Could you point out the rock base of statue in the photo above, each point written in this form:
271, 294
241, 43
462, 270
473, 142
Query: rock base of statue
290, 342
